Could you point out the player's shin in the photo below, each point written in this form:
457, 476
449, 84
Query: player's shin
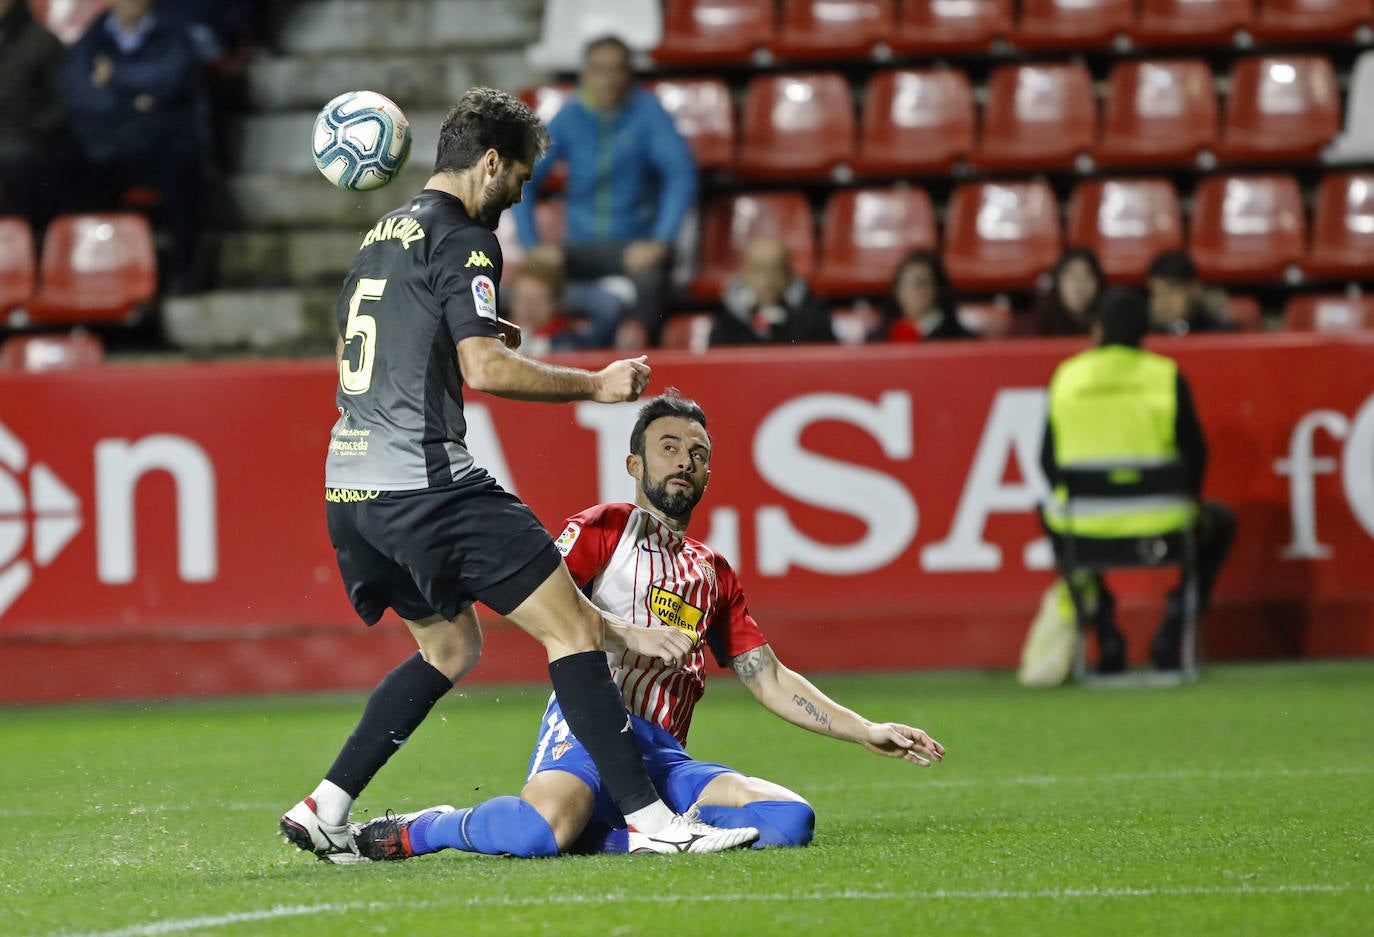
597, 717
397, 706
499, 827
779, 822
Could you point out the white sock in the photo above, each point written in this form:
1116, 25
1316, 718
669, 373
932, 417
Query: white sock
332, 803
650, 819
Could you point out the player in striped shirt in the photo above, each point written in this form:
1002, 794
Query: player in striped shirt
669, 599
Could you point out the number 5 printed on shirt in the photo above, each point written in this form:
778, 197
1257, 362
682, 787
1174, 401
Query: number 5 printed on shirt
356, 379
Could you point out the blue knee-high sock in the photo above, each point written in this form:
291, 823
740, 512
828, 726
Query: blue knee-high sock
779, 822
501, 826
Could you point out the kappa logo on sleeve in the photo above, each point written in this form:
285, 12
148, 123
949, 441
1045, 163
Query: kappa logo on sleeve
484, 296
478, 259
568, 537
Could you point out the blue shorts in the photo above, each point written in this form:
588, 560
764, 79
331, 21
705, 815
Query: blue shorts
678, 777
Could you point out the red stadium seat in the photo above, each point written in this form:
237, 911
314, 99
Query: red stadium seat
865, 233
1000, 236
833, 29
713, 32
51, 352
798, 126
17, 264
1036, 117
1157, 114
1280, 109
704, 115
1246, 228
546, 101
730, 223
548, 221
1126, 223
1244, 312
986, 319
915, 121
95, 268
1309, 20
1190, 22
936, 27
1072, 24
67, 19
687, 331
1329, 313
1343, 228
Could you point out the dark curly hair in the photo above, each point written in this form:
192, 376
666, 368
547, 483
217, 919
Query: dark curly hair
484, 119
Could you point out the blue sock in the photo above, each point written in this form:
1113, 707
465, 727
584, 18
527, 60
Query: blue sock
779, 822
501, 826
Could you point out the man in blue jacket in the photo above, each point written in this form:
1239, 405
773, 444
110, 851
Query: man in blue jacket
631, 181
132, 85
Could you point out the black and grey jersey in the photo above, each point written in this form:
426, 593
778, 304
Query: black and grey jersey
424, 279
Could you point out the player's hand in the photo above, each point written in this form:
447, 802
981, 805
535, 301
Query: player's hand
906, 742
642, 255
510, 333
621, 380
665, 644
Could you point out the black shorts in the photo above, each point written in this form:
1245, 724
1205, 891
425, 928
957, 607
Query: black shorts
437, 550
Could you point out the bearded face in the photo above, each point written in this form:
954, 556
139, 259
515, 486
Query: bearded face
675, 495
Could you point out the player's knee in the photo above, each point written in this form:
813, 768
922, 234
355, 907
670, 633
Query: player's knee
526, 834
456, 657
784, 822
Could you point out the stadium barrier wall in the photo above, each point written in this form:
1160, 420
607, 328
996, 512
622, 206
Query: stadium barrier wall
162, 528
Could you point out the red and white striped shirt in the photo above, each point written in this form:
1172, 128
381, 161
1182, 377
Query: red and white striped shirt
642, 570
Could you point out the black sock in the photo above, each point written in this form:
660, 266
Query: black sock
400, 703
596, 714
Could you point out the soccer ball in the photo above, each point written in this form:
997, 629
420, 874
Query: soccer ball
361, 140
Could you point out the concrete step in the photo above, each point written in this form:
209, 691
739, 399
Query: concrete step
268, 200
306, 83
315, 257
280, 321
406, 26
281, 142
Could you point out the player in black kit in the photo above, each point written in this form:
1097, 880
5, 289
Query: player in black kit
417, 526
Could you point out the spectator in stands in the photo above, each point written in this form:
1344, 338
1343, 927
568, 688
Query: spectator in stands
919, 305
30, 113
631, 182
535, 292
1069, 307
132, 84
1179, 303
767, 302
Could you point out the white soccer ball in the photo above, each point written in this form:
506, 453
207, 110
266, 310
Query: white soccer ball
361, 140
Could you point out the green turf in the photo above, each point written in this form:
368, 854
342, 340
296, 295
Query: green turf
1243, 805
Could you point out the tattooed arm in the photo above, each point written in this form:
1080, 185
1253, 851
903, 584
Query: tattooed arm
793, 697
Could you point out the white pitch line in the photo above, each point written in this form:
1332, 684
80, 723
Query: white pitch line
160, 928
177, 926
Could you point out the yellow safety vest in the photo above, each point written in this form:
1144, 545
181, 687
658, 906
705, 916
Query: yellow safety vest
1113, 407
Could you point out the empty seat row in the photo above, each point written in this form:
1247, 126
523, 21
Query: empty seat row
1005, 235
716, 32
1280, 109
96, 268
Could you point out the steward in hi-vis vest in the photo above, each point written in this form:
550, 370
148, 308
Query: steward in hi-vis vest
1130, 411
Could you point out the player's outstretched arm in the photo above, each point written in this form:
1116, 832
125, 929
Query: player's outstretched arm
793, 697
489, 366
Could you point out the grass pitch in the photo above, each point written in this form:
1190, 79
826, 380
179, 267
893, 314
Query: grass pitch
1239, 806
